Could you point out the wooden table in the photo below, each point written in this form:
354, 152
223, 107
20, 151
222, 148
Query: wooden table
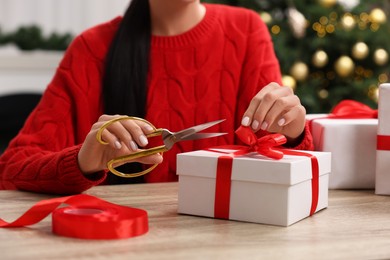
356, 225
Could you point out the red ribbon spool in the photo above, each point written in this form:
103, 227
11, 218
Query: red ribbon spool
87, 217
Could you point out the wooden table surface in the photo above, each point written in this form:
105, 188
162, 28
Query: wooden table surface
356, 225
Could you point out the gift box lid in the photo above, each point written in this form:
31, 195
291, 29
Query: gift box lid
254, 167
345, 122
322, 119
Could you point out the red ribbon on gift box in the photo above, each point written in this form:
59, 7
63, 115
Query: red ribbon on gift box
383, 143
349, 109
87, 217
266, 146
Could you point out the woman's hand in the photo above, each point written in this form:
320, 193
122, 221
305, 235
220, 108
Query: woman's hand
123, 137
276, 109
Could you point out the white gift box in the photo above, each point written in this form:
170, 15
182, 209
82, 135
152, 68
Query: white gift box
263, 190
382, 183
352, 143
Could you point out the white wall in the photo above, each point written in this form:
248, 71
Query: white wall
60, 16
30, 72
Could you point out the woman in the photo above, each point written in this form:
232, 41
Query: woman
176, 63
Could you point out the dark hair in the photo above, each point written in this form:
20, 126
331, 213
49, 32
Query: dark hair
127, 63
126, 70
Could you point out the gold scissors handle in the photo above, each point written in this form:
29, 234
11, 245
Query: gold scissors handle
126, 158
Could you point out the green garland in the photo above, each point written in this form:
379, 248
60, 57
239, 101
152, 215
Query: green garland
31, 38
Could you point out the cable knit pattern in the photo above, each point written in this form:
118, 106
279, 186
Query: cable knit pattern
208, 73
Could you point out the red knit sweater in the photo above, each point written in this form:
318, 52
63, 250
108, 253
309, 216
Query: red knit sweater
208, 73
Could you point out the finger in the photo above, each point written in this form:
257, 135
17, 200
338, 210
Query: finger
253, 105
291, 115
151, 159
294, 123
121, 134
262, 118
279, 107
111, 139
136, 130
104, 118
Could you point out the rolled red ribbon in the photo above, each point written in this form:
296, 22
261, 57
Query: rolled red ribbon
87, 217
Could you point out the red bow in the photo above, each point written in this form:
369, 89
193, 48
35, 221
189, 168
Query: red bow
263, 145
352, 109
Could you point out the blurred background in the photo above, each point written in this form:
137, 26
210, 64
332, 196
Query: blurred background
329, 50
33, 37
58, 16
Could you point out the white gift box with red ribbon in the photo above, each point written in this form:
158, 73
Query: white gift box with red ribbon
349, 133
252, 187
352, 143
382, 174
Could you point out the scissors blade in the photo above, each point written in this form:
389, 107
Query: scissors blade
192, 130
197, 136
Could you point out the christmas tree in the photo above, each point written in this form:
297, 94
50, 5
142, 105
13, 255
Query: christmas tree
329, 50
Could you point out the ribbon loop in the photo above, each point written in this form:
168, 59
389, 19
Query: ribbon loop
263, 145
352, 109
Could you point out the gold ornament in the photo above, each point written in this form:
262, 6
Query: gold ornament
323, 94
289, 81
378, 16
299, 71
327, 3
320, 59
381, 57
344, 66
348, 22
373, 92
266, 17
360, 51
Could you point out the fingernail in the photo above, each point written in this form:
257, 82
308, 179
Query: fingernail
281, 122
149, 128
143, 140
264, 126
245, 121
255, 125
118, 145
133, 146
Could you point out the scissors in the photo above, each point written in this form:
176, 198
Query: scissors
169, 139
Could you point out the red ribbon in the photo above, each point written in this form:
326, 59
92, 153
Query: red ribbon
315, 171
349, 109
263, 145
266, 146
87, 217
383, 142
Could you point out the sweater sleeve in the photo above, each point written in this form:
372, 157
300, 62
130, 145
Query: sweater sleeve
260, 68
43, 156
